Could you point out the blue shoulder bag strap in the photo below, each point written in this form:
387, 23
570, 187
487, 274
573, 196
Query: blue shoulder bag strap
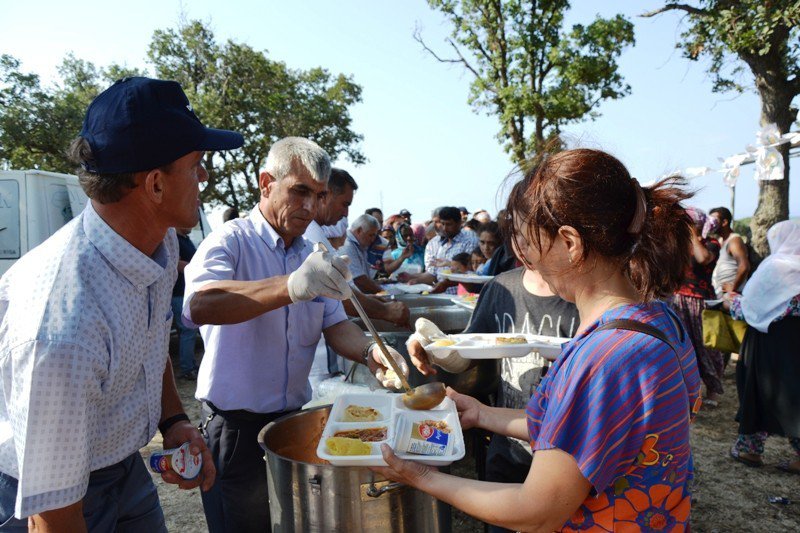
647, 329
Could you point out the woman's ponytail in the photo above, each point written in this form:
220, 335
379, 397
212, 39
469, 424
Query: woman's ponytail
661, 254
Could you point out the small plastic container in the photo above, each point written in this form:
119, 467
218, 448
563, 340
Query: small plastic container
422, 437
180, 460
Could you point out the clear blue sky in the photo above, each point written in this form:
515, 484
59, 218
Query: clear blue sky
425, 145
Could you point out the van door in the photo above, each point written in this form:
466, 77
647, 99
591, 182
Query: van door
13, 234
48, 206
77, 198
10, 234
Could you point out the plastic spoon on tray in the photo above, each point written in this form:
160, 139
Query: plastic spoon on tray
421, 398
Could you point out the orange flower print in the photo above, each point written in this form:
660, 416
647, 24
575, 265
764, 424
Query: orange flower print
595, 515
661, 508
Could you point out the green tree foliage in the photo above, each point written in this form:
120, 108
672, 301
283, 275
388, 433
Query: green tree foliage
529, 70
758, 42
233, 86
230, 85
37, 123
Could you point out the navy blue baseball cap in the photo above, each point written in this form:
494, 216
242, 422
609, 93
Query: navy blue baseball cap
140, 124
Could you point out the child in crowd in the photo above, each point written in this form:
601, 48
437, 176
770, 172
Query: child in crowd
477, 259
460, 263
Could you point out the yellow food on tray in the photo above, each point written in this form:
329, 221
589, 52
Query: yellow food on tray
444, 342
359, 413
345, 446
511, 340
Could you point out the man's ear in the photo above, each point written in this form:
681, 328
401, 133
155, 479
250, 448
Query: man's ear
265, 182
153, 184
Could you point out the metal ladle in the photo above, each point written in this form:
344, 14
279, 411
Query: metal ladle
421, 398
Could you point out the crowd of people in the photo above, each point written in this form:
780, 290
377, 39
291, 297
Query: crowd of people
398, 250
597, 441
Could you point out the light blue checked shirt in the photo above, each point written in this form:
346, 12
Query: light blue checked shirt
442, 248
84, 327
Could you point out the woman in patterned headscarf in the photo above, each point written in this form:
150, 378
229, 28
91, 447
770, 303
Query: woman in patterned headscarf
689, 302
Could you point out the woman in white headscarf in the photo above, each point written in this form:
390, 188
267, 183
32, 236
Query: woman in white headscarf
768, 371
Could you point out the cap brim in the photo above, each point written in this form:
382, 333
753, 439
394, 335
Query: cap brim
214, 139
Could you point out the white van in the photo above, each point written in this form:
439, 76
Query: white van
34, 204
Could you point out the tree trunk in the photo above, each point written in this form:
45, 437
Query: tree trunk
773, 196
517, 141
234, 198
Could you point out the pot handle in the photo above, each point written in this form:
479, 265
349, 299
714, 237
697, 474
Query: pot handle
374, 491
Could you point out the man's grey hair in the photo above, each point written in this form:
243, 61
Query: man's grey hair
308, 153
365, 223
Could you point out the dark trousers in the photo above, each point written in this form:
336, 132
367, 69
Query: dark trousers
239, 501
121, 498
506, 462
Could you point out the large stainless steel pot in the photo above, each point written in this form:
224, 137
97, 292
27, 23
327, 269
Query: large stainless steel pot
306, 494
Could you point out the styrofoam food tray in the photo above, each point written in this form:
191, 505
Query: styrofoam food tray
467, 278
390, 406
482, 346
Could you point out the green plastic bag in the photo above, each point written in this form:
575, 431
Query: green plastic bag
721, 332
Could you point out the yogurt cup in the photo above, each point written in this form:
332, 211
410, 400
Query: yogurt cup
180, 460
420, 438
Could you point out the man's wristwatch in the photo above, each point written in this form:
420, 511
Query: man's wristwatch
367, 353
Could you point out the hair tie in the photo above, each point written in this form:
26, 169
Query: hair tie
637, 222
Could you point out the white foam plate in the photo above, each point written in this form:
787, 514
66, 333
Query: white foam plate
483, 346
416, 288
390, 406
467, 278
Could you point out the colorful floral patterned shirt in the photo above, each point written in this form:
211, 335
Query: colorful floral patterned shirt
619, 402
792, 308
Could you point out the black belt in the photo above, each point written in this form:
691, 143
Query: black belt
246, 416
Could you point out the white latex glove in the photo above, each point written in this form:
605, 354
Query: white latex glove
427, 333
321, 274
385, 374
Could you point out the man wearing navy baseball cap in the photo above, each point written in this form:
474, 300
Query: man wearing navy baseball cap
85, 320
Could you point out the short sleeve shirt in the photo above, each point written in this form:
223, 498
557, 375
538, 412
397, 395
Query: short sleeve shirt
84, 327
619, 402
359, 262
505, 306
441, 248
260, 365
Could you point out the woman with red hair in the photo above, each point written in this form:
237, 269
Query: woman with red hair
609, 423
